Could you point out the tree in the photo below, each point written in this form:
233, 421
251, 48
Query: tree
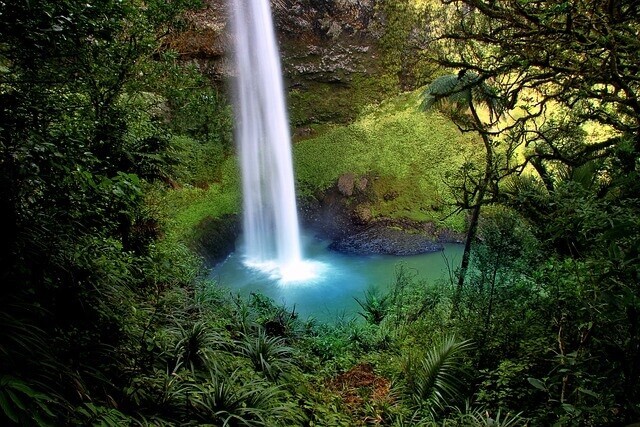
545, 55
465, 92
73, 159
561, 65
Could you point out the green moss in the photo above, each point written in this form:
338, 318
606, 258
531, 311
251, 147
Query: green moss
318, 102
184, 208
406, 153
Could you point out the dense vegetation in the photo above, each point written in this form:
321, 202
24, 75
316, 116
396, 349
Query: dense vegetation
112, 151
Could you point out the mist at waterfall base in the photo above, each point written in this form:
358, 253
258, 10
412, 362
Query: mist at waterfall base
339, 278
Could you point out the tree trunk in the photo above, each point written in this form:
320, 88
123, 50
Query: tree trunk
475, 212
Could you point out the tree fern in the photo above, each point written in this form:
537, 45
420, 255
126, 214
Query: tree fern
461, 90
465, 91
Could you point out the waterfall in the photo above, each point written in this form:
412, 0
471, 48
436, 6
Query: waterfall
270, 219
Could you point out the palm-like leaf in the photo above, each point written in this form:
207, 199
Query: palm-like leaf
585, 175
232, 401
475, 416
435, 378
374, 306
462, 90
267, 354
194, 342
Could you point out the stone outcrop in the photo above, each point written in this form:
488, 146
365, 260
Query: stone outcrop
215, 238
380, 239
327, 41
343, 215
320, 40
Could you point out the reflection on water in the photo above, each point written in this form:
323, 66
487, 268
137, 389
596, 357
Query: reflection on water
325, 284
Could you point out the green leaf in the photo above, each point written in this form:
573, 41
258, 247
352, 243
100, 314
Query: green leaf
7, 409
16, 400
587, 392
537, 384
570, 409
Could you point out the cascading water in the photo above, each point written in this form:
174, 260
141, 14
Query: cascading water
272, 248
270, 219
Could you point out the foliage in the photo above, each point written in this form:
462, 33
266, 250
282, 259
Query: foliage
466, 92
462, 90
225, 401
106, 316
402, 43
482, 417
195, 343
370, 147
374, 306
268, 355
320, 103
20, 403
434, 379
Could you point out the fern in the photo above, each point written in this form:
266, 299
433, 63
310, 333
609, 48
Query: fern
461, 90
435, 378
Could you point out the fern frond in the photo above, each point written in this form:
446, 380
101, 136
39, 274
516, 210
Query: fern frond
435, 379
461, 90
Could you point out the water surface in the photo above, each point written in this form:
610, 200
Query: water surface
339, 278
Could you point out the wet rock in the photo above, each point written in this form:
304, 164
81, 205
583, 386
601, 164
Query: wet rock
328, 215
343, 214
362, 215
346, 183
362, 183
323, 41
386, 240
450, 236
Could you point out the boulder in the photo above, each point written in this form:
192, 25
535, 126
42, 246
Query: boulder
346, 184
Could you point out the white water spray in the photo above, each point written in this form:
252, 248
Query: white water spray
270, 219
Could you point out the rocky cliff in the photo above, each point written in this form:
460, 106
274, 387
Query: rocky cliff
327, 40
329, 51
320, 39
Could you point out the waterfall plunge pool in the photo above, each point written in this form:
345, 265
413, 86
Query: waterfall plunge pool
326, 287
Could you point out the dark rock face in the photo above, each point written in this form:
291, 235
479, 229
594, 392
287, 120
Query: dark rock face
328, 216
216, 237
345, 220
323, 19
320, 40
327, 40
380, 239
342, 215
206, 40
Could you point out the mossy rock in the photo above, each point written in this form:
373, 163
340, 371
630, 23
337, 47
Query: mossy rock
215, 237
